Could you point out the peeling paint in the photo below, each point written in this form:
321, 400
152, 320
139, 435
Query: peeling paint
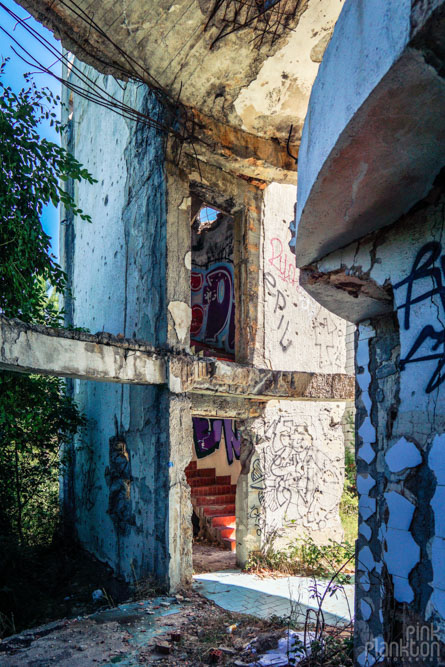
182, 318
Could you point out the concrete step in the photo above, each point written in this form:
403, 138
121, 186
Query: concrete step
219, 510
219, 499
229, 543
224, 531
229, 521
223, 479
194, 482
214, 489
204, 472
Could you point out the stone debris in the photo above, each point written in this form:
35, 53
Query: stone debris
290, 649
163, 647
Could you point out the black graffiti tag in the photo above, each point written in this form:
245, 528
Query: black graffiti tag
280, 305
424, 267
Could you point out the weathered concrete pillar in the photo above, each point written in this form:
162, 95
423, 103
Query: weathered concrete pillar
128, 269
248, 511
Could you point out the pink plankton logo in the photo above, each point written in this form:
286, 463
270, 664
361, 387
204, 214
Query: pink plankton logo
419, 644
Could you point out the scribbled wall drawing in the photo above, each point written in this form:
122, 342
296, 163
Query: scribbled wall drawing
294, 478
207, 435
296, 328
281, 317
283, 261
326, 332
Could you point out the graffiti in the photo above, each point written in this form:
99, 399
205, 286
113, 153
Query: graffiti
207, 437
256, 516
326, 339
282, 321
213, 306
283, 262
293, 478
432, 340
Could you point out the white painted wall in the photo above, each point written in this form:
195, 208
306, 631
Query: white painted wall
298, 333
296, 475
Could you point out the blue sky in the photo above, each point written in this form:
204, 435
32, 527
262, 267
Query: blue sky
14, 78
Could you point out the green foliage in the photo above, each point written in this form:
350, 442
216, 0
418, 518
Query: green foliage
330, 651
349, 499
36, 415
32, 174
350, 472
304, 557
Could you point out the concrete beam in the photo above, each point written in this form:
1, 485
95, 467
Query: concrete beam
222, 378
350, 294
27, 348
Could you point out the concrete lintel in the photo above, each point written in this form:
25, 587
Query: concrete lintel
226, 407
27, 348
222, 378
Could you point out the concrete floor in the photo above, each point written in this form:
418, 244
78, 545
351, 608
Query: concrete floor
282, 596
209, 558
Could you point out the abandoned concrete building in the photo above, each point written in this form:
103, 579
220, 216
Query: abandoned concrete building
222, 387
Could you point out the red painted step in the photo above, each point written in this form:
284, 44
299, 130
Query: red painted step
200, 481
219, 499
229, 543
219, 510
202, 472
222, 520
214, 490
213, 497
223, 479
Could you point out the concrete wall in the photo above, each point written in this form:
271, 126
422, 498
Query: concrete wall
297, 331
127, 466
130, 275
401, 426
294, 482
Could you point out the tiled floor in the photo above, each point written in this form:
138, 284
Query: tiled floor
265, 597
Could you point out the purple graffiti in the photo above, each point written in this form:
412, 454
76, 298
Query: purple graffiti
233, 443
207, 437
213, 306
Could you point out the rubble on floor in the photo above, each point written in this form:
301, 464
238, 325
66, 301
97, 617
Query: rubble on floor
183, 630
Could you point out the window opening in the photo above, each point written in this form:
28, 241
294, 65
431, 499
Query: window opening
212, 331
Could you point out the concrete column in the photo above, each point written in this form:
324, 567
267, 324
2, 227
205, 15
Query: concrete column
129, 272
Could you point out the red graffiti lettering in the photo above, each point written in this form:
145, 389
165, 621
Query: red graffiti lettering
283, 262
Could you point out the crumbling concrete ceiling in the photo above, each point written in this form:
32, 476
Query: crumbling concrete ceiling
260, 90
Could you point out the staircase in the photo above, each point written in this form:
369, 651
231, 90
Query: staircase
213, 499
